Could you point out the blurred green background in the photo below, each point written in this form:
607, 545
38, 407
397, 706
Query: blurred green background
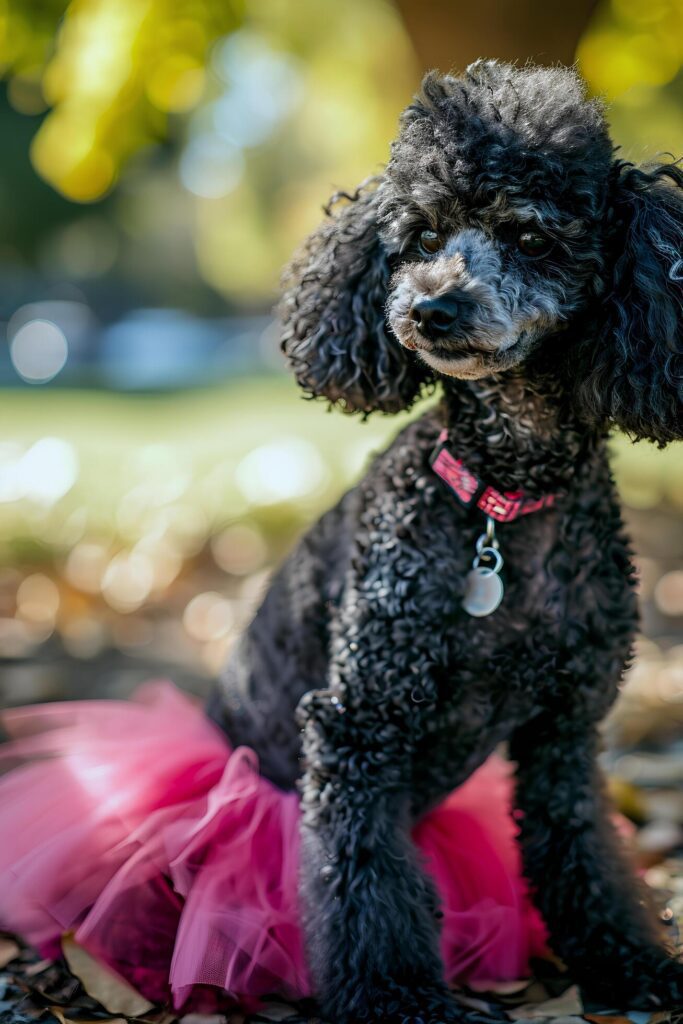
161, 159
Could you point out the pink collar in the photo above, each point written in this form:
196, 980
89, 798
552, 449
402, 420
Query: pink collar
470, 490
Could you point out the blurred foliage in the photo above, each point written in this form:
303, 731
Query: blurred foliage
117, 70
633, 43
267, 105
27, 31
632, 54
353, 71
304, 99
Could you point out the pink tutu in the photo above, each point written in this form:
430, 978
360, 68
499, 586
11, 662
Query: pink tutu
134, 824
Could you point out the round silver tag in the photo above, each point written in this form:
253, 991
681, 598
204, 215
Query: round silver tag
483, 592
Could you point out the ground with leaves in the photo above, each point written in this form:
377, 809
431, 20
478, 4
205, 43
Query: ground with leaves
79, 990
645, 764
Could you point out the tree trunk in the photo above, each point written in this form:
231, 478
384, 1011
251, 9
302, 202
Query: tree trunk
449, 35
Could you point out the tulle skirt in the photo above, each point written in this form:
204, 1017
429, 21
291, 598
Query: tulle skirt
136, 825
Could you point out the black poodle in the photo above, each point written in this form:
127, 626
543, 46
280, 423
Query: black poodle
506, 253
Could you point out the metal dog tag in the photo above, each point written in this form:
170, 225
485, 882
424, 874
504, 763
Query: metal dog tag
483, 585
483, 592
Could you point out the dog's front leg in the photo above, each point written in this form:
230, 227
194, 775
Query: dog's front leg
600, 923
369, 911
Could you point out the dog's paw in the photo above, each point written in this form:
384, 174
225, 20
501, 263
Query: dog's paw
415, 1005
662, 987
651, 982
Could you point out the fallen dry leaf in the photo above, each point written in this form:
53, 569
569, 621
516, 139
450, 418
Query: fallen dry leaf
204, 1018
567, 1005
63, 1017
8, 951
38, 967
601, 1018
552, 1020
535, 992
508, 988
472, 1002
103, 984
277, 1011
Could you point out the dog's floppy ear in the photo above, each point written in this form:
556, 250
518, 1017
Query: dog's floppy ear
335, 334
635, 355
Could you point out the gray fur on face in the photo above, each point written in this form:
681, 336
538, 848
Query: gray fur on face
506, 314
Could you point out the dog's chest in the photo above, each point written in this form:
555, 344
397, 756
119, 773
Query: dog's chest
565, 586
532, 589
547, 594
521, 557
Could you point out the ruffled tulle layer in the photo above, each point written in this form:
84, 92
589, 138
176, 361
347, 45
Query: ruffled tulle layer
135, 824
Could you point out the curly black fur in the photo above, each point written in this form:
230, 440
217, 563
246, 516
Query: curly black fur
337, 340
361, 642
637, 379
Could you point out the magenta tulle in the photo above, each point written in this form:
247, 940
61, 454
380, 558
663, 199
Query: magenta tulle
134, 824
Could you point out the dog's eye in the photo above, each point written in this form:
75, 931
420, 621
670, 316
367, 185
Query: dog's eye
430, 242
532, 243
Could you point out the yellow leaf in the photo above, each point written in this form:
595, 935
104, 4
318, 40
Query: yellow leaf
62, 1016
8, 951
103, 984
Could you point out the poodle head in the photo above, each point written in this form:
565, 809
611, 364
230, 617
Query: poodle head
501, 223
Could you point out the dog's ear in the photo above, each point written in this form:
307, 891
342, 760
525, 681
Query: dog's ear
635, 355
335, 333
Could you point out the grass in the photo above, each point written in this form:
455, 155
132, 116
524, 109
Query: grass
189, 451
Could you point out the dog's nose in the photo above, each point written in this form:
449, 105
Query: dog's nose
438, 316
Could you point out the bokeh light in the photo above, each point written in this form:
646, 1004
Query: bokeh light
208, 617
240, 549
128, 580
285, 469
43, 474
39, 350
668, 593
211, 166
38, 599
85, 566
261, 87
